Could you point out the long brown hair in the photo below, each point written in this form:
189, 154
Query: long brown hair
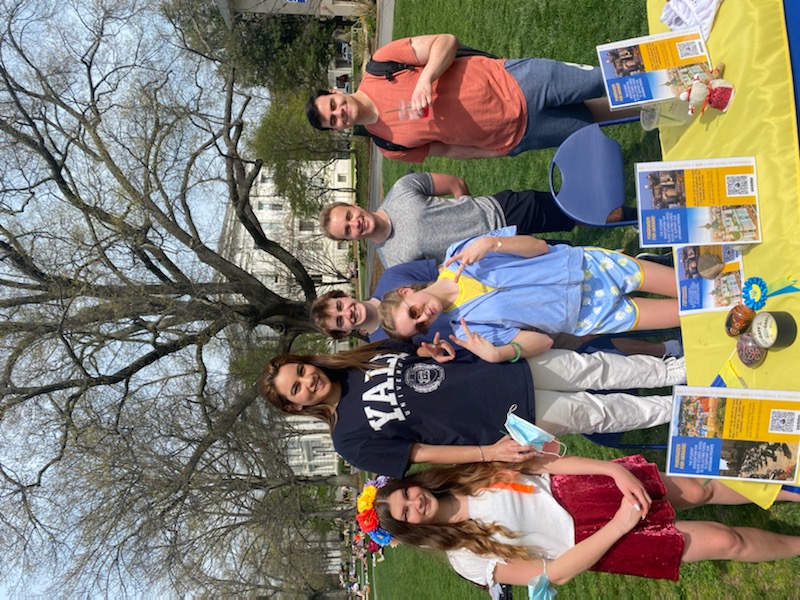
468, 480
335, 367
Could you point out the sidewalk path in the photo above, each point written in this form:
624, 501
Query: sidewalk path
384, 35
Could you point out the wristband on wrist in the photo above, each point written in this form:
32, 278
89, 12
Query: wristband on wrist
519, 351
481, 451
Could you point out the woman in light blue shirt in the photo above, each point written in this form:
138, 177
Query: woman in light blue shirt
504, 286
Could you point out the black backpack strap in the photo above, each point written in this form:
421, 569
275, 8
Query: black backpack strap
387, 68
465, 51
387, 145
379, 141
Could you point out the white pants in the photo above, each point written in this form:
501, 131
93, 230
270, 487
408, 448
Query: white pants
561, 404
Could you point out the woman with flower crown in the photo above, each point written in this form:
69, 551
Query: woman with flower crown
553, 518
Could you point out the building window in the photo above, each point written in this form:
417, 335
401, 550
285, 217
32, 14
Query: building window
307, 225
343, 244
317, 279
275, 206
270, 228
313, 246
341, 177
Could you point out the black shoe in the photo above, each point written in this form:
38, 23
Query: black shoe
662, 259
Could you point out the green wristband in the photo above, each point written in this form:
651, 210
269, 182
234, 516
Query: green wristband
519, 351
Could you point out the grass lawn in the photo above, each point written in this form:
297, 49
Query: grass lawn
565, 30
412, 573
568, 30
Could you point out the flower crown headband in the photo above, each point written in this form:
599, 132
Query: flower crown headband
367, 517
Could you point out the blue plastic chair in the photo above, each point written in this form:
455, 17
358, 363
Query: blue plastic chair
592, 177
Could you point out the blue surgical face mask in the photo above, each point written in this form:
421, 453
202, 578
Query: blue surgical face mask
526, 433
539, 588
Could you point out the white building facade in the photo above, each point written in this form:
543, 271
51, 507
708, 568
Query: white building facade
328, 262
344, 9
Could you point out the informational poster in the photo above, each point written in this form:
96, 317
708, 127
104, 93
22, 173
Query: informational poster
697, 291
703, 202
652, 68
725, 433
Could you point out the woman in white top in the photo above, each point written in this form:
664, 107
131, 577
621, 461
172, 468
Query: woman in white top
568, 515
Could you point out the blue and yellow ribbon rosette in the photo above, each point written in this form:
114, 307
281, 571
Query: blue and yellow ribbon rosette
756, 291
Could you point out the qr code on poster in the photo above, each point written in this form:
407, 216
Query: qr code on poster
783, 421
689, 49
740, 185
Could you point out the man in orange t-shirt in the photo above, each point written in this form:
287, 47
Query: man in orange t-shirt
470, 107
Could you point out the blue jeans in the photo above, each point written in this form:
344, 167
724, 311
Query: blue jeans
555, 93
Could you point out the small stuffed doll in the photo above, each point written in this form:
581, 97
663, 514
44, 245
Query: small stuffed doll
709, 90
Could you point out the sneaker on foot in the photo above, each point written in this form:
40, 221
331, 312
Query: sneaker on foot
676, 370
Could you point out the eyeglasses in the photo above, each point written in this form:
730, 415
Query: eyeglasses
414, 313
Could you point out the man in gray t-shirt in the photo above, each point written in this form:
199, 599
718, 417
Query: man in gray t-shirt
415, 222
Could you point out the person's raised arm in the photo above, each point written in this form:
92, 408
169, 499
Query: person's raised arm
444, 185
577, 559
522, 245
504, 450
452, 151
530, 343
436, 52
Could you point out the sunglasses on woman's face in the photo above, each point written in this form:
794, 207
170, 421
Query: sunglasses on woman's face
414, 313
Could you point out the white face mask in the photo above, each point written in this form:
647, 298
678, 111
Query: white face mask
526, 433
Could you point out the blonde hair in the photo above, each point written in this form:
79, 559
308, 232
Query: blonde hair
391, 301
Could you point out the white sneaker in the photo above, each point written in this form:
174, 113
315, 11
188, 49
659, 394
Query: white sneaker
676, 370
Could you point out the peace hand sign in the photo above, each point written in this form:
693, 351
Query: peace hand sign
478, 345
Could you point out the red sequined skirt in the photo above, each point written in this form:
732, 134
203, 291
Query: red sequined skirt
652, 549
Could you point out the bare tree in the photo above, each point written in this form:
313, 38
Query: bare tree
123, 444
238, 521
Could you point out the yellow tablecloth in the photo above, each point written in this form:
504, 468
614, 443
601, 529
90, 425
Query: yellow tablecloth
749, 36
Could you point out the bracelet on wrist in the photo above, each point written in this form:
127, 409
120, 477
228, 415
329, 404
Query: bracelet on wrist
483, 459
519, 351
